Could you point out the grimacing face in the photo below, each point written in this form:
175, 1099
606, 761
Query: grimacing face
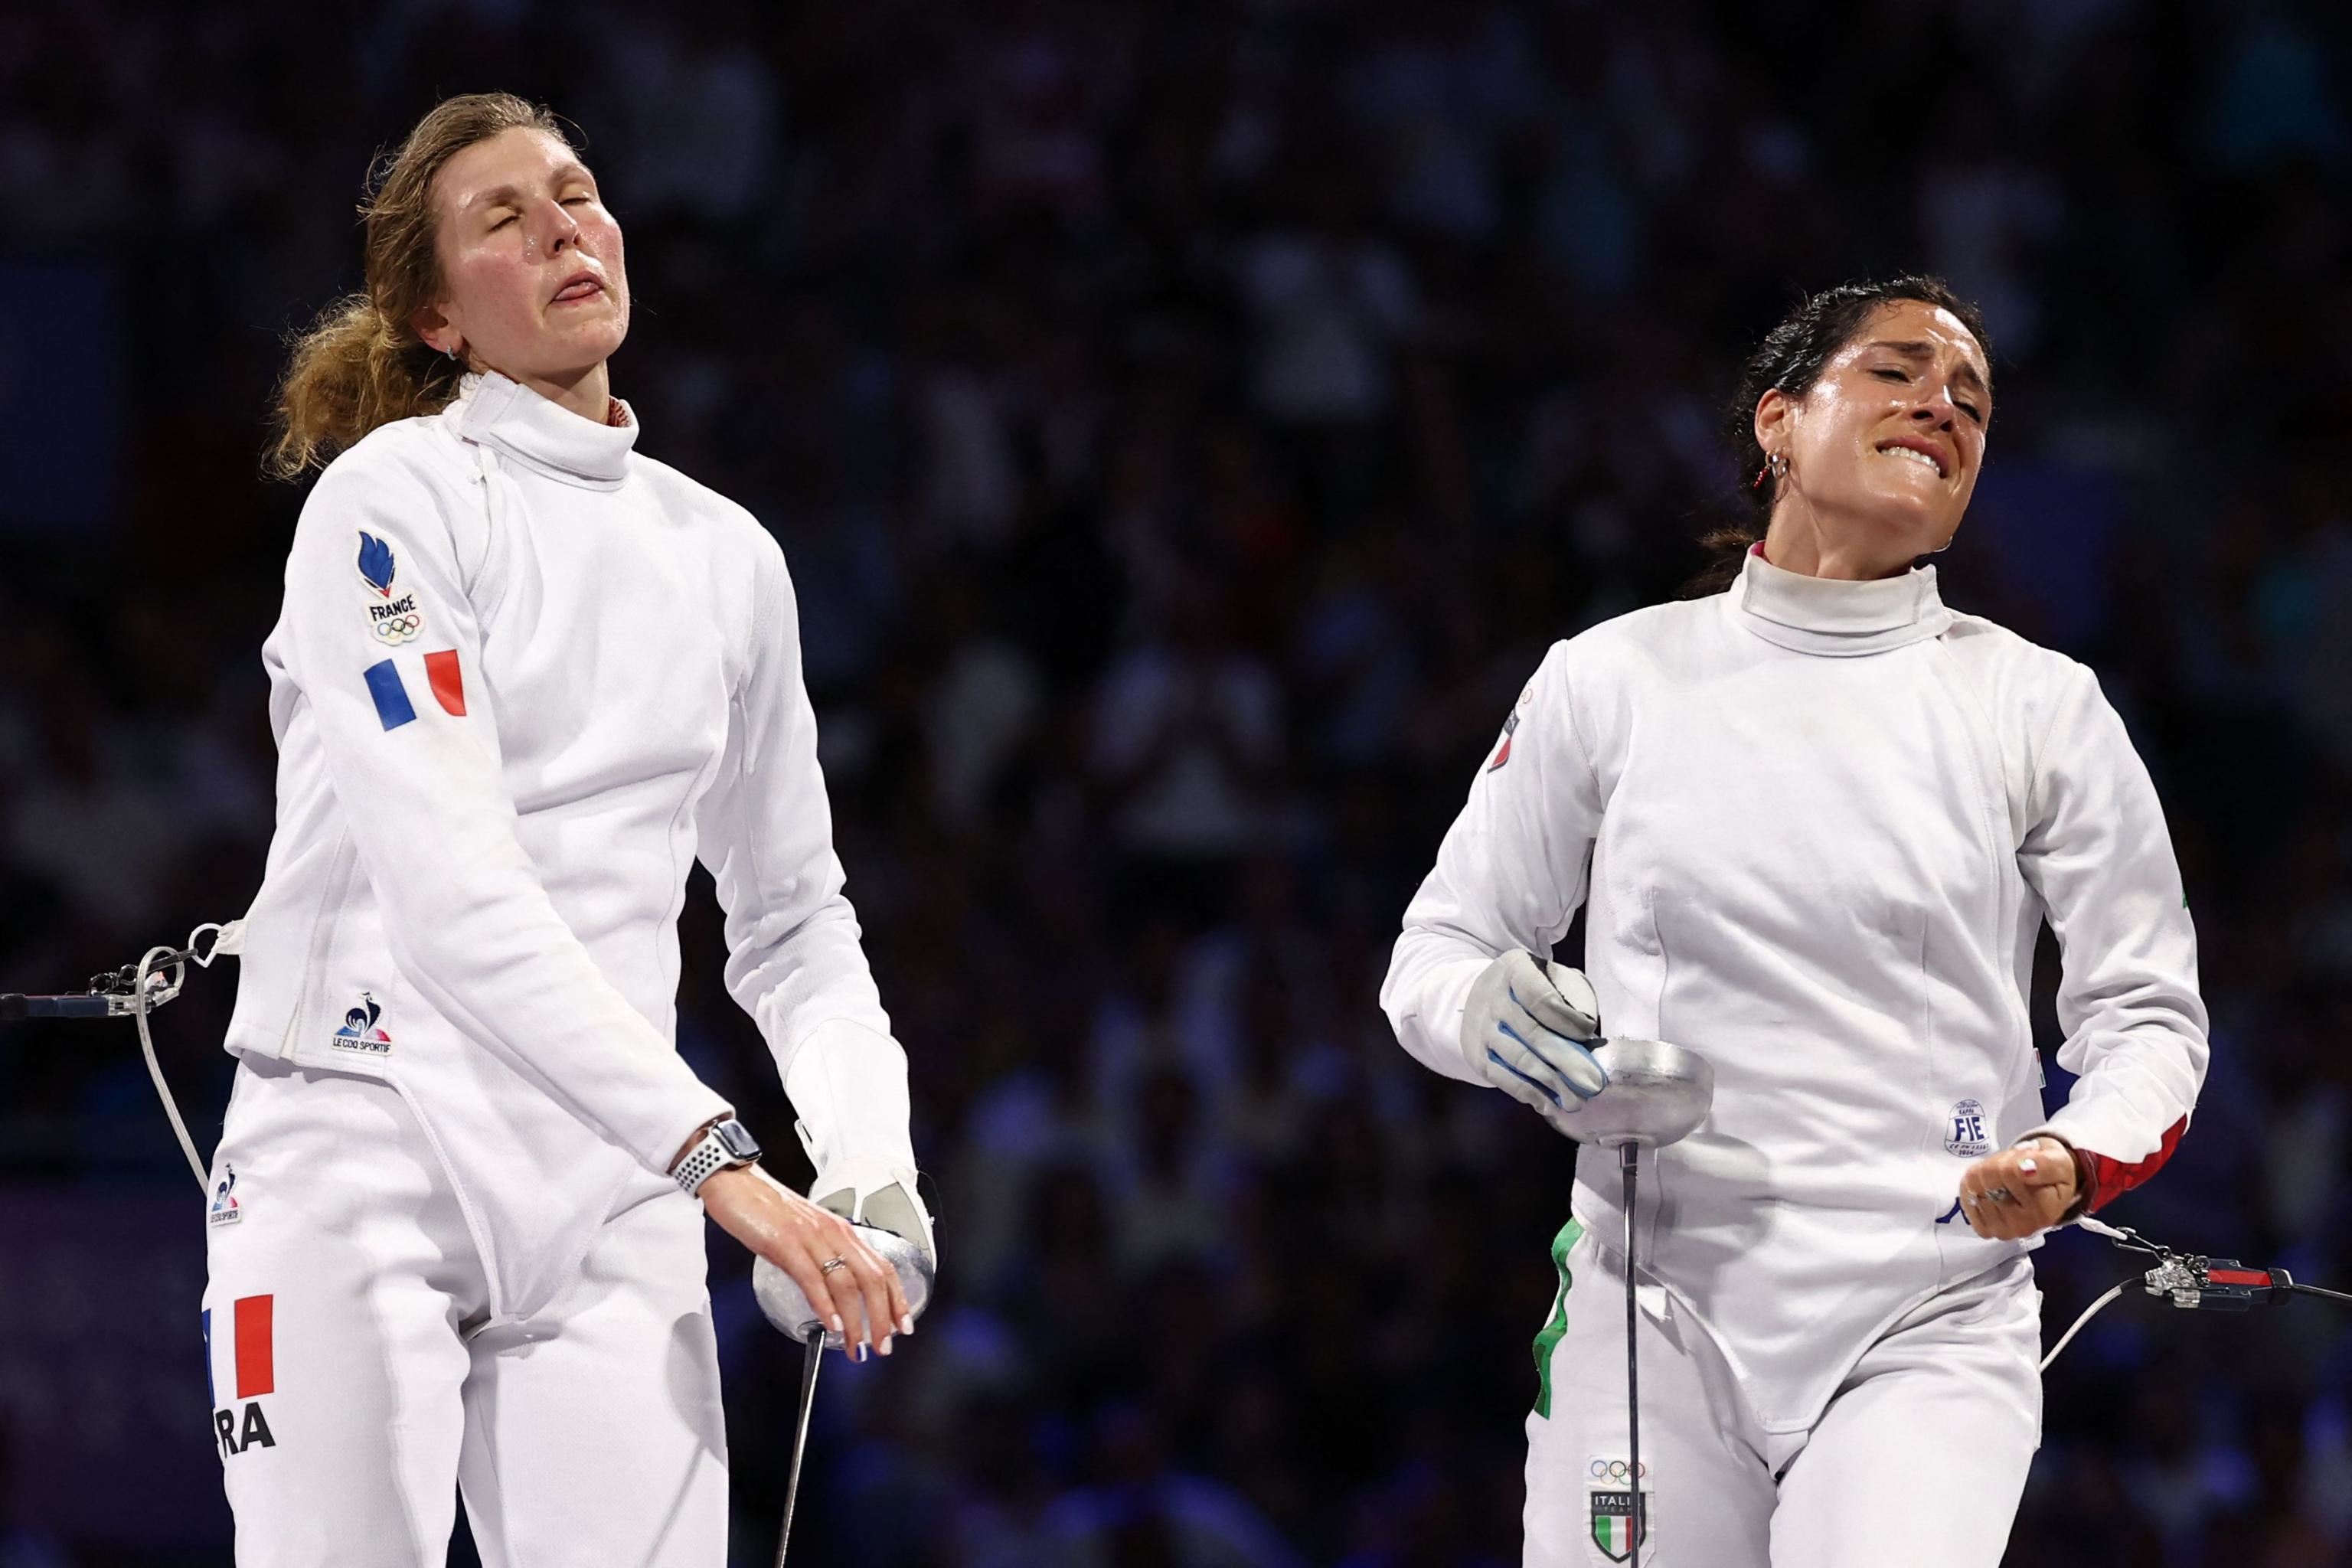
1884, 450
531, 262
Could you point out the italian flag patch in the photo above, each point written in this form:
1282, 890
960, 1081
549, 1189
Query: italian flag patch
1614, 1525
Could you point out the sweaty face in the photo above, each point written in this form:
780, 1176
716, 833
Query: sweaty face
531, 262
1884, 450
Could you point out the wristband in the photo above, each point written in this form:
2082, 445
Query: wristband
724, 1146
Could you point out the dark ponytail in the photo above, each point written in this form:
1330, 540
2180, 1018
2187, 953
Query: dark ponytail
1791, 358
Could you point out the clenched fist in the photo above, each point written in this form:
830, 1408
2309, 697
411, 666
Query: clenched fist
2015, 1193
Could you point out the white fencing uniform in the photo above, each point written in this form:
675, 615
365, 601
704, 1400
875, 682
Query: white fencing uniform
356, 1374
1917, 1458
524, 678
1823, 823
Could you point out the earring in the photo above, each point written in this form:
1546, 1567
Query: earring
1776, 467
450, 353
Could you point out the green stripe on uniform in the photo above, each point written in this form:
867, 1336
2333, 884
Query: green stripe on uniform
1557, 1328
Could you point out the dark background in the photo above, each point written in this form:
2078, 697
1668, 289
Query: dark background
1187, 425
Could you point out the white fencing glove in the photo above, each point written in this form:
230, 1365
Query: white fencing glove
869, 1192
1525, 1030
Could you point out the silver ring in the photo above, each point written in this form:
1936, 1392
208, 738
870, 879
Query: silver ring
830, 1264
2000, 1194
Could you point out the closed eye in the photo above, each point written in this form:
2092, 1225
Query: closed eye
1889, 372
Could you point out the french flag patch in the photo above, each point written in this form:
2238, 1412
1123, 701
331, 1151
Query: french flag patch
392, 703
253, 1361
449, 682
257, 1359
243, 1424
443, 676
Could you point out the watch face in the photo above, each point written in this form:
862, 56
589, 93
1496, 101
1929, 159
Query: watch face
738, 1139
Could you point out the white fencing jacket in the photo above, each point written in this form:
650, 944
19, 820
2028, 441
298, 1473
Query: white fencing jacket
1823, 823
523, 677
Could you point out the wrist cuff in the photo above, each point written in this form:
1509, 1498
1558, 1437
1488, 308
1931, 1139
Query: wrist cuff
2086, 1174
849, 1083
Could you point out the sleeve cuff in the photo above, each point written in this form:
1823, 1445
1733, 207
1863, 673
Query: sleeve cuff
692, 1115
2100, 1179
848, 1082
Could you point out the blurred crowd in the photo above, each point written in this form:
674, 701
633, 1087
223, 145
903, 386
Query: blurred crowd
1187, 425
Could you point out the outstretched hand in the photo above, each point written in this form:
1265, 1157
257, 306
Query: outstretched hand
2012, 1193
862, 1301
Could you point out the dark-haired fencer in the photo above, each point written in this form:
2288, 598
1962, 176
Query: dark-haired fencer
1815, 821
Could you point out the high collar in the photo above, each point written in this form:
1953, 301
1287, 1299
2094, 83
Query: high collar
543, 435
1827, 615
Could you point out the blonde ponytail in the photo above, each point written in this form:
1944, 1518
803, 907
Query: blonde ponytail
362, 365
352, 372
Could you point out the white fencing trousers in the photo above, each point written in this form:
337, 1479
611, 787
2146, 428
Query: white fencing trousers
1918, 1460
355, 1389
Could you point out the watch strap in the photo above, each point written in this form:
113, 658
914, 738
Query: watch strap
722, 1147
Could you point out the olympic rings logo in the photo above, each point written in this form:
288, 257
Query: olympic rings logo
1614, 1470
400, 629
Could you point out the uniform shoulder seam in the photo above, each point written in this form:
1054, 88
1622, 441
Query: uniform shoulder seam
702, 496
716, 509
402, 449
403, 444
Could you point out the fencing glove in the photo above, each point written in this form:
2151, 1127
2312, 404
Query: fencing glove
867, 1191
1526, 1028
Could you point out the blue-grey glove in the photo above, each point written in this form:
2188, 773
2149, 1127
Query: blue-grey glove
1526, 1028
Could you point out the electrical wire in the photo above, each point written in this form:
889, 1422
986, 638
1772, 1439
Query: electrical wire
151, 989
2123, 1236
2319, 1290
145, 1001
2089, 1313
2182, 1276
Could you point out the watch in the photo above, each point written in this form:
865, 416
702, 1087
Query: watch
724, 1146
